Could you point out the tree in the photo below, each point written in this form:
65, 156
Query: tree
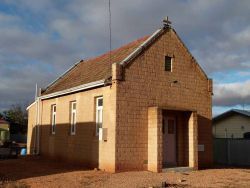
18, 118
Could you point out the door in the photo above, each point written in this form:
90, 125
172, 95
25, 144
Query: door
169, 142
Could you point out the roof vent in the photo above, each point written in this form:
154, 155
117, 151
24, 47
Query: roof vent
166, 22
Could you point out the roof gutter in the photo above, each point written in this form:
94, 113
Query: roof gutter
74, 89
139, 49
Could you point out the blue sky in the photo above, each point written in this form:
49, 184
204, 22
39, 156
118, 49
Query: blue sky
41, 39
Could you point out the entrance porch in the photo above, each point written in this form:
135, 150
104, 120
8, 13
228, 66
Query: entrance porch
172, 139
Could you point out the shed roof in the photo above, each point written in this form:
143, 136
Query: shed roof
231, 112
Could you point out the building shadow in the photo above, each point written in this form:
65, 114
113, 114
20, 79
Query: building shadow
205, 138
35, 166
58, 153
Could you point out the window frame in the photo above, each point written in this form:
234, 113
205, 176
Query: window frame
53, 119
73, 121
171, 63
98, 108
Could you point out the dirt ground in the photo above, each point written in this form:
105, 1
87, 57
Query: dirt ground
37, 172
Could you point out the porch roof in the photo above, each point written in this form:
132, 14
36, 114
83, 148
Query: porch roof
175, 108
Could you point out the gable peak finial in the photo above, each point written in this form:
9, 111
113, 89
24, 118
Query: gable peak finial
167, 22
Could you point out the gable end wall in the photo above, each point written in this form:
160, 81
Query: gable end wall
146, 84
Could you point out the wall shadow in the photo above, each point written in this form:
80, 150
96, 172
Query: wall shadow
59, 153
81, 148
205, 137
34, 166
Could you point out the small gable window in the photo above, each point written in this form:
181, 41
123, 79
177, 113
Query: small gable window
168, 63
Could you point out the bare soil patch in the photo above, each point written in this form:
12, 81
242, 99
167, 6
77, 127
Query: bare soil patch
38, 172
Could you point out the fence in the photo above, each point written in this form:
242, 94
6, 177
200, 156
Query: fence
235, 152
20, 138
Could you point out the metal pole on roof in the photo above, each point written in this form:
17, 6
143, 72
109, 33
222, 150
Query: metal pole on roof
110, 34
36, 92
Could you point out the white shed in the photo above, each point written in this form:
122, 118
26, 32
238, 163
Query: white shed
232, 124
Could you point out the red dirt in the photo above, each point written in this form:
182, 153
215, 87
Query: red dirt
37, 172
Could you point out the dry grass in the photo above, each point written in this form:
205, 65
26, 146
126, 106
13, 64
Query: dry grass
37, 172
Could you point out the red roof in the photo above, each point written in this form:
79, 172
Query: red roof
2, 121
94, 69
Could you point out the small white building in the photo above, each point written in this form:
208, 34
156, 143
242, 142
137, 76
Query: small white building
232, 124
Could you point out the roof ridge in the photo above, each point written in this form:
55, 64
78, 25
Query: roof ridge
238, 109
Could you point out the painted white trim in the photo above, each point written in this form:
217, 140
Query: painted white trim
31, 105
73, 112
96, 114
143, 45
171, 64
38, 125
53, 119
73, 89
34, 127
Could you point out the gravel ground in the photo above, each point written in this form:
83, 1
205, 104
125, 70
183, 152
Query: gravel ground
37, 172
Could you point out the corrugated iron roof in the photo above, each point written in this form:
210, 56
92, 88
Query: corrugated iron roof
230, 113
